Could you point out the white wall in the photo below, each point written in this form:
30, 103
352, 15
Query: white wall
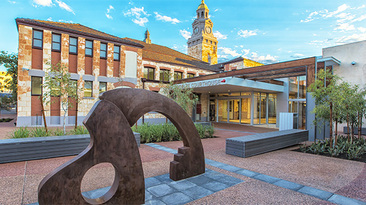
131, 64
353, 74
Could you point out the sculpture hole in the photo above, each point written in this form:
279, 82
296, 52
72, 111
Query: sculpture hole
97, 184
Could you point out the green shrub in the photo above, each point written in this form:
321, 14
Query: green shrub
352, 149
39, 132
79, 130
58, 132
167, 132
22, 132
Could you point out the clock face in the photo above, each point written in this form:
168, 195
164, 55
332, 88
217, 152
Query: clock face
208, 29
196, 30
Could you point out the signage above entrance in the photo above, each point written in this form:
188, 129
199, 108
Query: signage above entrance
206, 83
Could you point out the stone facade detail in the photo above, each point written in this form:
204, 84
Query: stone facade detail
24, 80
47, 45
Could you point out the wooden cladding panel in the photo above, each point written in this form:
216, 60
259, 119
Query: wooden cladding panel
37, 59
73, 63
89, 65
103, 67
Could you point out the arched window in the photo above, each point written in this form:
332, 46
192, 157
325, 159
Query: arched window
206, 15
202, 14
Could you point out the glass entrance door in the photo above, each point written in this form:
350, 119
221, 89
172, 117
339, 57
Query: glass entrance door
223, 113
234, 106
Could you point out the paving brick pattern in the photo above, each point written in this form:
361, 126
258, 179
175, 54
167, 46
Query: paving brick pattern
321, 194
162, 190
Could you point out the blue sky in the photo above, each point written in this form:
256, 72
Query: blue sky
262, 30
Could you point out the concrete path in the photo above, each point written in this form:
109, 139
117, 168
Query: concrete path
279, 177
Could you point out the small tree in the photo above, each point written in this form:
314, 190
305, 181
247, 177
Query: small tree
181, 94
10, 61
323, 91
58, 83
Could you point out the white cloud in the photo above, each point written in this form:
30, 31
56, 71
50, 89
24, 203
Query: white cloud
345, 17
12, 2
297, 55
340, 9
267, 59
361, 7
245, 52
43, 2
362, 29
166, 18
186, 34
229, 51
247, 33
139, 14
219, 35
361, 18
140, 21
108, 12
326, 14
63, 5
351, 38
345, 27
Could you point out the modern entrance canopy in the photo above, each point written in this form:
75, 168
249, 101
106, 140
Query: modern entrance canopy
261, 77
234, 84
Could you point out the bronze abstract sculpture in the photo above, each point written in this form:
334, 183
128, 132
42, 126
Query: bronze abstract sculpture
111, 140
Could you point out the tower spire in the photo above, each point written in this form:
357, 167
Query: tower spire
147, 37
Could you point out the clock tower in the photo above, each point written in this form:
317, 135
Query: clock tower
203, 44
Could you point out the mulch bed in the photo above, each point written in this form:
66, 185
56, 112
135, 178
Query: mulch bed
6, 119
341, 156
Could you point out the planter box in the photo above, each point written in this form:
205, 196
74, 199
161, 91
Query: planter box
15, 150
252, 145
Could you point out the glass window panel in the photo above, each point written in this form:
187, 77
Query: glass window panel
56, 46
89, 48
272, 105
56, 38
103, 54
102, 87
36, 85
190, 75
164, 75
302, 87
73, 45
73, 49
37, 43
257, 105
103, 50
263, 108
88, 52
89, 44
222, 114
245, 110
73, 41
88, 89
37, 34
177, 75
116, 53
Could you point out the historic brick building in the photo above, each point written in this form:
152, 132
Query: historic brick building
96, 60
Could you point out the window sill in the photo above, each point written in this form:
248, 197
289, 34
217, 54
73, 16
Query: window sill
88, 98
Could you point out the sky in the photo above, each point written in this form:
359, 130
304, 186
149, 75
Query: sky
261, 30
